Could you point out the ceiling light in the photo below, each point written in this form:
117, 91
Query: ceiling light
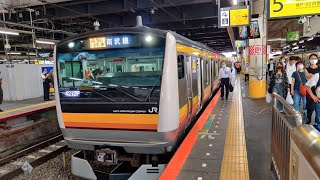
276, 39
310, 39
294, 44
235, 2
14, 53
31, 54
46, 41
297, 47
302, 41
9, 32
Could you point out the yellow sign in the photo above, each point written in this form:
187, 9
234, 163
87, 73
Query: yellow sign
99, 42
239, 17
292, 8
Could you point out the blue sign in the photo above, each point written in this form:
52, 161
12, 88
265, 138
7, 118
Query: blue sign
49, 68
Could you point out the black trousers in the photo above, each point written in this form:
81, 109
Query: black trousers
225, 87
310, 108
46, 89
246, 76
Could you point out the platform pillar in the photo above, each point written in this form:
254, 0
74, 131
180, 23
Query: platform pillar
257, 65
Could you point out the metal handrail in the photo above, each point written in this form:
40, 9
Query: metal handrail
280, 140
306, 137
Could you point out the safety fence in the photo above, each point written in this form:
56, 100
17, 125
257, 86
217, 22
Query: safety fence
284, 119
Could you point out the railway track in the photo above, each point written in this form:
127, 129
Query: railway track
35, 155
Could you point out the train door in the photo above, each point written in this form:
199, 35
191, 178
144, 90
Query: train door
189, 87
199, 75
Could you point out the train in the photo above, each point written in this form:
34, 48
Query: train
130, 91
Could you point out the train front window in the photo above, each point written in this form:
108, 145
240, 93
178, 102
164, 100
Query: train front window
116, 74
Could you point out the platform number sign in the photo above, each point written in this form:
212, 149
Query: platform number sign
292, 8
224, 18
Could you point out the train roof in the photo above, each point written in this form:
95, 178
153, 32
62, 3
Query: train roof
181, 39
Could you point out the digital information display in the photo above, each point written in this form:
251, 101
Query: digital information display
292, 8
110, 42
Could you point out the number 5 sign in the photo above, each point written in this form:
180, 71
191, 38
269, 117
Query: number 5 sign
292, 8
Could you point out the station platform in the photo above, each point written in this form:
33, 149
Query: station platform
231, 140
24, 107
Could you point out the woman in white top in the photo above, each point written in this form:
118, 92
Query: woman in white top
224, 77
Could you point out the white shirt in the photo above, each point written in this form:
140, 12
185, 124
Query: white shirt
247, 70
290, 70
313, 81
43, 77
271, 68
224, 73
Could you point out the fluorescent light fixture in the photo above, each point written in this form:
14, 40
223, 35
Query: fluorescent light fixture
235, 2
195, 53
294, 48
294, 44
229, 54
310, 39
47, 41
276, 39
302, 41
14, 53
31, 54
8, 31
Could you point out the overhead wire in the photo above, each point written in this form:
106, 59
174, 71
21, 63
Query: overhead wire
169, 13
71, 10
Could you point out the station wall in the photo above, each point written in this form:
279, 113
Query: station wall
22, 81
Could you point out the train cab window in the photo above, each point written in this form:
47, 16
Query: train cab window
180, 59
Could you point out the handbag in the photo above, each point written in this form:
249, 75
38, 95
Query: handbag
230, 87
268, 98
302, 88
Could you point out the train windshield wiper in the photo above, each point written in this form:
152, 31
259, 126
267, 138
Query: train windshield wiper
121, 90
151, 91
107, 97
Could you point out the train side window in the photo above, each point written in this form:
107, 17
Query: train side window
207, 71
180, 61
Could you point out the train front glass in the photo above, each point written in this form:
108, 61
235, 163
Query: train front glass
114, 68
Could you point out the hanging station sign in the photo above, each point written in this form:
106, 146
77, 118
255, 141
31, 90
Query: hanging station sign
292, 8
234, 16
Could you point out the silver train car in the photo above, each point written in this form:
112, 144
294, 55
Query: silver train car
132, 90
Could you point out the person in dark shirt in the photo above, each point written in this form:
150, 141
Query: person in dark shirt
310, 71
298, 77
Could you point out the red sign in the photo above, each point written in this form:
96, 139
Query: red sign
258, 50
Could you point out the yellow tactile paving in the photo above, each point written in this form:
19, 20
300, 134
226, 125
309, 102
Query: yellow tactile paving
235, 161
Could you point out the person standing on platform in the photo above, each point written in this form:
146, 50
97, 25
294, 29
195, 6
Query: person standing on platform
233, 75
291, 67
298, 77
46, 85
224, 78
313, 89
246, 74
310, 72
238, 67
271, 67
279, 83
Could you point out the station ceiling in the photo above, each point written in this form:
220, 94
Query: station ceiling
195, 19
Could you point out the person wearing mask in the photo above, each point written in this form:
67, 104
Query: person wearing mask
298, 77
271, 67
310, 72
313, 89
224, 78
291, 67
279, 83
283, 61
46, 85
246, 74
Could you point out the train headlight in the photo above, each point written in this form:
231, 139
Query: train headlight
71, 44
149, 38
